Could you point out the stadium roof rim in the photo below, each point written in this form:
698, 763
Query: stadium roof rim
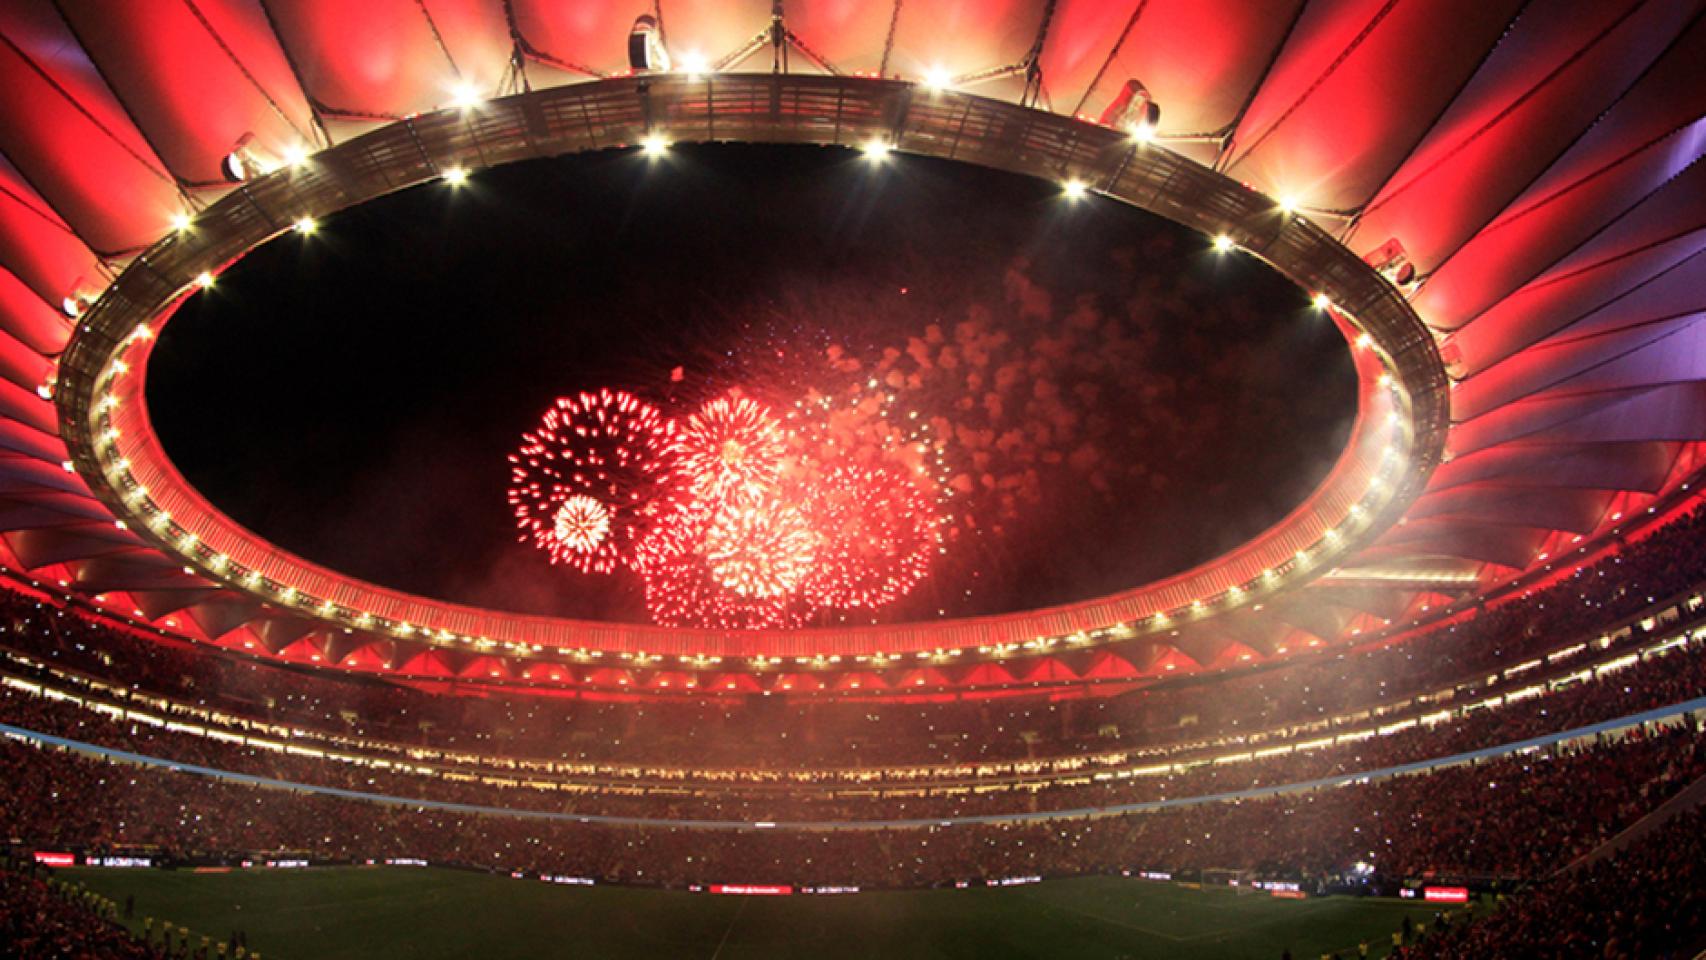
1398, 440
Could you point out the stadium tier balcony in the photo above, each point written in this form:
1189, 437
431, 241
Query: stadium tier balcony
1509, 647
1665, 673
1517, 817
1642, 902
1582, 724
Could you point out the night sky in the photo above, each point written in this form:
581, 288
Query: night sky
1124, 403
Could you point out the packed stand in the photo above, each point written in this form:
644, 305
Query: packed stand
1520, 816
1660, 680
784, 733
43, 919
1647, 902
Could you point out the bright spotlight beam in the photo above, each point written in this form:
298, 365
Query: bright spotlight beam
464, 96
654, 145
694, 65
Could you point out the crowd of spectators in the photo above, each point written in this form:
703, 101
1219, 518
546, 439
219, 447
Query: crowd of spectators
345, 714
1648, 902
1620, 586
779, 734
44, 919
1659, 680
1519, 816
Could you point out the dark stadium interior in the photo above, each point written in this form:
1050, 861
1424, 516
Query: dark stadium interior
1176, 479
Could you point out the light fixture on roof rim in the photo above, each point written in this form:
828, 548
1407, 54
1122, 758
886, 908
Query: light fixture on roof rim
646, 53
693, 65
465, 96
1392, 262
244, 161
1133, 110
78, 300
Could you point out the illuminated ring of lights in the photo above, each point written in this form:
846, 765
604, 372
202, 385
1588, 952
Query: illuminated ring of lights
1395, 445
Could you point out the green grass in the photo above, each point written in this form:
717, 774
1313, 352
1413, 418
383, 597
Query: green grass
334, 913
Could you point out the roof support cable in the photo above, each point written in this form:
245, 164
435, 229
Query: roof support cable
438, 38
529, 51
296, 73
1497, 218
244, 70
1030, 65
1231, 129
888, 41
156, 168
1321, 79
780, 40
1113, 54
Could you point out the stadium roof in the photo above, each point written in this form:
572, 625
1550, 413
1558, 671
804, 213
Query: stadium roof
1535, 165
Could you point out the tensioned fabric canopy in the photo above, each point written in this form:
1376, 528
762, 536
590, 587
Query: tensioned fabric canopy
1535, 164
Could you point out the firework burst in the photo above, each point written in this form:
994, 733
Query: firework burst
759, 546
864, 426
732, 517
729, 446
581, 482
878, 531
582, 524
683, 591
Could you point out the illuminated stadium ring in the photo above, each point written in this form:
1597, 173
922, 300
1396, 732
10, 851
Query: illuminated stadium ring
1395, 445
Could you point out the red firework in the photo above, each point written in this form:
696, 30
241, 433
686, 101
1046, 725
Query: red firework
730, 445
864, 426
877, 531
682, 590
582, 524
733, 518
677, 528
759, 546
581, 482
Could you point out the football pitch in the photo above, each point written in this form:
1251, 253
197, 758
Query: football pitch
356, 912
